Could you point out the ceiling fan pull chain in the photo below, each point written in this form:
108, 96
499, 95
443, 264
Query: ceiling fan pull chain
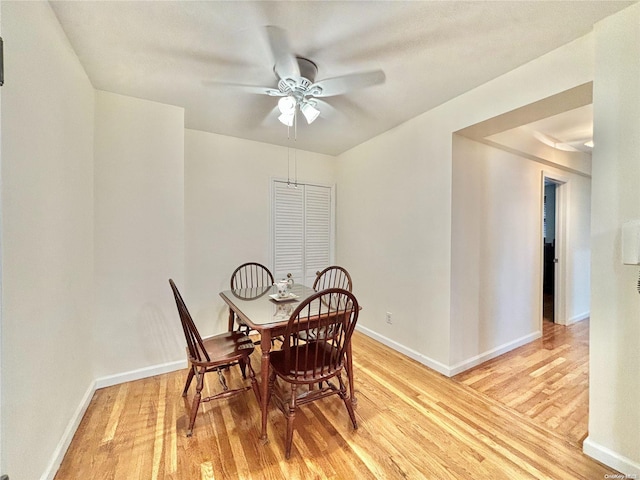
295, 149
288, 158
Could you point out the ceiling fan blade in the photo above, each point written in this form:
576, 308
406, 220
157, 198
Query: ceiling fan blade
272, 92
327, 110
339, 85
286, 65
271, 118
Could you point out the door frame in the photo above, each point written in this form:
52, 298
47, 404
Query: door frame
2, 412
561, 236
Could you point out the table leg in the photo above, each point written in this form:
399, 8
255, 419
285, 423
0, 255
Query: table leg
265, 346
232, 318
354, 400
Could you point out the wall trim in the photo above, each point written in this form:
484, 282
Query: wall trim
449, 370
69, 432
493, 353
611, 459
101, 382
398, 347
579, 317
140, 373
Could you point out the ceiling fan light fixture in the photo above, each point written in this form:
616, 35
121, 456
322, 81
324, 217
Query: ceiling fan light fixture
287, 118
309, 111
287, 105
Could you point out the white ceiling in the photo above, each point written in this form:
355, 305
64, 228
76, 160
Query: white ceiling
183, 53
567, 131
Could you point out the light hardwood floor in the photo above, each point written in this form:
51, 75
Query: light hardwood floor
413, 423
547, 380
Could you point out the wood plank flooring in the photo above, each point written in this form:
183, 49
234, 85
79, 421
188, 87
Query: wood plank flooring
413, 423
547, 380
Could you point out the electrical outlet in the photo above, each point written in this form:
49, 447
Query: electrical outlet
389, 321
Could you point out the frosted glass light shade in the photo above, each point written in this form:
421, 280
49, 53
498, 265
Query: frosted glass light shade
310, 112
287, 104
287, 118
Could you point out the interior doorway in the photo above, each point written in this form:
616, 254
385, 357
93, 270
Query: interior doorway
549, 235
554, 230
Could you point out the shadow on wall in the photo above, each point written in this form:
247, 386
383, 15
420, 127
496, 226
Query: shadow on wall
163, 340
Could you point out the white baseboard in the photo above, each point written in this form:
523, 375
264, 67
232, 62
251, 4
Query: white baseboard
140, 373
448, 370
67, 436
423, 359
579, 318
493, 353
622, 464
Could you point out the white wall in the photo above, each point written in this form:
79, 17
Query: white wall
614, 395
139, 232
227, 205
394, 235
1, 309
496, 263
47, 235
495, 258
401, 180
578, 249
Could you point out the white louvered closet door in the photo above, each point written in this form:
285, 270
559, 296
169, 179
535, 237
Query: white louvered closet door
302, 230
317, 234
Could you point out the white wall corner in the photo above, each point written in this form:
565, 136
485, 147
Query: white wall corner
140, 373
612, 459
67, 436
417, 356
579, 317
448, 370
493, 353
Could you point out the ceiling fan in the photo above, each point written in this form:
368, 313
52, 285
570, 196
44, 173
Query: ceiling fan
297, 85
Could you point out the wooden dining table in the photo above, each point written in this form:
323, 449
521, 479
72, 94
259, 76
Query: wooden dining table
256, 308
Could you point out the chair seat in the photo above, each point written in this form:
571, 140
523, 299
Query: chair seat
226, 347
311, 366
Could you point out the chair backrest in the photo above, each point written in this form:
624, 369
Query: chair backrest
332, 277
195, 347
251, 275
318, 333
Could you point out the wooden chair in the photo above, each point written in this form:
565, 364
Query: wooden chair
253, 276
212, 354
333, 311
336, 277
332, 277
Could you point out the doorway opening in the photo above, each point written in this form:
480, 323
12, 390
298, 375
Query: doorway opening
554, 213
549, 250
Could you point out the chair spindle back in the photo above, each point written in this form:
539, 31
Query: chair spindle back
250, 275
196, 349
332, 277
318, 333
